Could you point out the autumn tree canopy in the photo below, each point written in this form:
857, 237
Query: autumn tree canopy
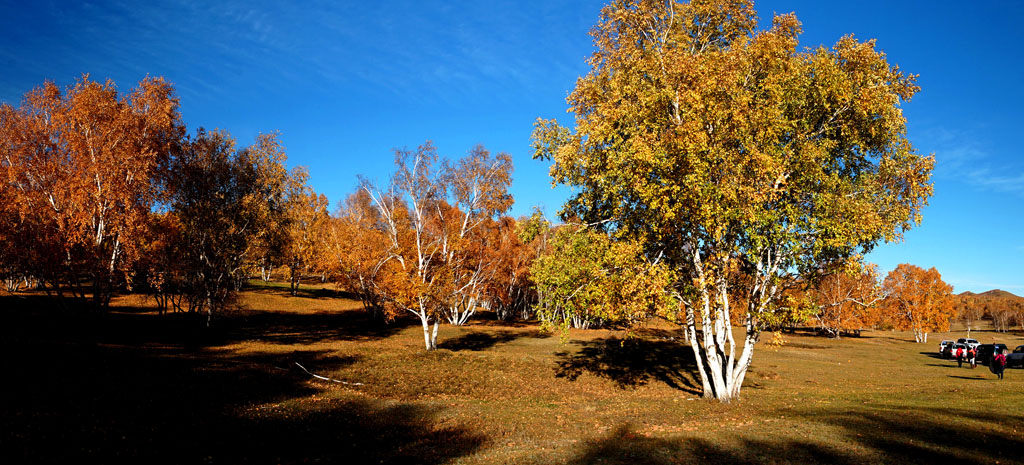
847, 300
307, 229
225, 202
80, 171
719, 146
918, 300
436, 220
587, 280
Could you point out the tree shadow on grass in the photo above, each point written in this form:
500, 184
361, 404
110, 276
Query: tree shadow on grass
625, 446
865, 436
477, 340
804, 345
978, 377
80, 401
42, 318
633, 362
308, 328
304, 290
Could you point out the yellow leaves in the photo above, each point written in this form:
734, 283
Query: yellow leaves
587, 279
83, 165
918, 299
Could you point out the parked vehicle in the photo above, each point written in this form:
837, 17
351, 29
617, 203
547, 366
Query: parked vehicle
985, 352
969, 342
1016, 358
953, 347
942, 346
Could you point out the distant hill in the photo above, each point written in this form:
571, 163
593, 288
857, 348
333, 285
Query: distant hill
993, 294
999, 293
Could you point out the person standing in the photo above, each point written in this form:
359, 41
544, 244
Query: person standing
999, 363
972, 355
960, 357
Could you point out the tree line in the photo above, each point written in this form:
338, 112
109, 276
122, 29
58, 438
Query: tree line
722, 175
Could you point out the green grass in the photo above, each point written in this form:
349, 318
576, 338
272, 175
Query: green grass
134, 386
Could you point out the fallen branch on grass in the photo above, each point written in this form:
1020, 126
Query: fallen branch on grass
326, 378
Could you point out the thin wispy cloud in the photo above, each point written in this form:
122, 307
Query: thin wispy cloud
962, 156
1007, 183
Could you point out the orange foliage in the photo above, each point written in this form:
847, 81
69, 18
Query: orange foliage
424, 243
918, 300
846, 301
82, 169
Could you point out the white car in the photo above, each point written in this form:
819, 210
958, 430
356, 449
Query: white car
943, 344
971, 343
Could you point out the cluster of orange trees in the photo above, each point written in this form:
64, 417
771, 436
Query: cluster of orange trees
106, 192
720, 174
910, 298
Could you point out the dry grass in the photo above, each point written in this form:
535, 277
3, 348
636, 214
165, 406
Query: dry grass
135, 386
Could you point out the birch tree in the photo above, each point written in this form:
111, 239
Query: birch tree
918, 300
306, 228
360, 248
224, 200
722, 147
847, 300
971, 310
434, 217
478, 185
82, 168
587, 280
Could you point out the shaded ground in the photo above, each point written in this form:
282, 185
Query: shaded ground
133, 386
633, 362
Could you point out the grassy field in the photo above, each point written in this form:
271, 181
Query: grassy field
134, 387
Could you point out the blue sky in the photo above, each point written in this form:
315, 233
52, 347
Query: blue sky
345, 82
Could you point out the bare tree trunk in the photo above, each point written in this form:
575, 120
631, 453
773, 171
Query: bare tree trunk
429, 337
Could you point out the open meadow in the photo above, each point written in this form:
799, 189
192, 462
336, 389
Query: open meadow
132, 386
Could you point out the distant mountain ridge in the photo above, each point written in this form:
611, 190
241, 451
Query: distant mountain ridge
994, 293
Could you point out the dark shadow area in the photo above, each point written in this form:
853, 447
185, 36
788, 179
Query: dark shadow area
934, 355
489, 319
804, 345
949, 362
978, 377
307, 328
633, 362
625, 446
819, 333
100, 391
884, 436
133, 326
304, 290
477, 341
950, 365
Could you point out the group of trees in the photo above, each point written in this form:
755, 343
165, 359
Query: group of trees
1005, 310
81, 170
435, 241
910, 298
723, 176
737, 158
105, 192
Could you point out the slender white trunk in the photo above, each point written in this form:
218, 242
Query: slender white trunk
429, 337
691, 333
722, 373
427, 340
